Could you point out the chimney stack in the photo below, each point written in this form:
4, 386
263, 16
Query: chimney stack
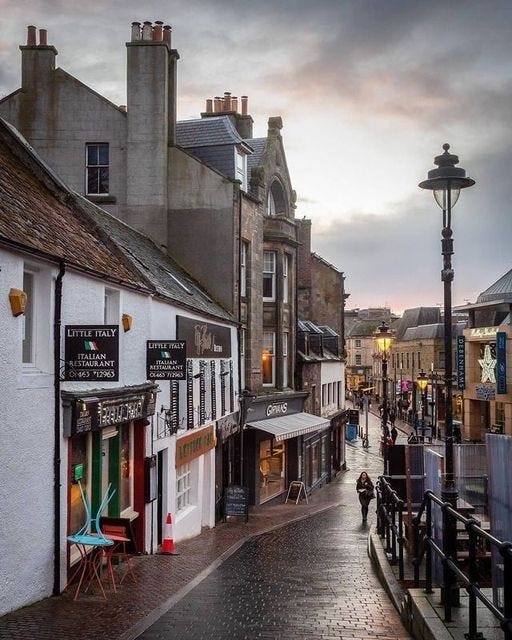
227, 101
31, 36
209, 105
167, 35
228, 105
37, 61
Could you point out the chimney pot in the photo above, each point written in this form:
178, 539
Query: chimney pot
123, 107
43, 37
234, 104
227, 101
167, 34
135, 31
245, 100
217, 104
31, 36
209, 105
158, 31
147, 31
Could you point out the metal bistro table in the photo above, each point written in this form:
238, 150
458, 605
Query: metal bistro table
89, 547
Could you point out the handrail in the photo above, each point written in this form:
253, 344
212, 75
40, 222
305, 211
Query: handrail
390, 508
470, 581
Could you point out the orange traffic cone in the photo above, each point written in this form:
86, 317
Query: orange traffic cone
168, 547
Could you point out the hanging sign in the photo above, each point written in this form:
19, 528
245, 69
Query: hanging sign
501, 362
91, 353
461, 362
166, 360
204, 339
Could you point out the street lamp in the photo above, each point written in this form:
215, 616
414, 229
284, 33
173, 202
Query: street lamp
383, 340
422, 382
446, 181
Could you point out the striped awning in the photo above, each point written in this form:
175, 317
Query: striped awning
296, 424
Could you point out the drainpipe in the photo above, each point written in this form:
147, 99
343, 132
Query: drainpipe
241, 405
57, 318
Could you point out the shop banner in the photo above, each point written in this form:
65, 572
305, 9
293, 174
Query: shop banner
461, 363
501, 362
91, 353
166, 360
204, 340
194, 444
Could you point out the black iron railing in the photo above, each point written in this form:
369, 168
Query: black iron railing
390, 523
479, 541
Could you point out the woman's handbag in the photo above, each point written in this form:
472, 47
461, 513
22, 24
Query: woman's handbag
370, 494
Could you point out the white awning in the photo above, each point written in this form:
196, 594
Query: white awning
291, 426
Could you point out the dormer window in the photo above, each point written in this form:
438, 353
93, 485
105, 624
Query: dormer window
241, 168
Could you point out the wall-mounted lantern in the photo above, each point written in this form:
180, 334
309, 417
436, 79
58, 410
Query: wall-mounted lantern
18, 300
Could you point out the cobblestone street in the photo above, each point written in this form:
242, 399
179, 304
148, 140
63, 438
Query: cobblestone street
308, 580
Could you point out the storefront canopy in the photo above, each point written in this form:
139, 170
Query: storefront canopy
285, 427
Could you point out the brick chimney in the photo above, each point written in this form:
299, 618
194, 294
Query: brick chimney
228, 106
37, 60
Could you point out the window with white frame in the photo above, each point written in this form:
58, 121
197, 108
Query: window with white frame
286, 284
269, 276
97, 169
285, 358
241, 168
28, 336
243, 270
183, 487
268, 364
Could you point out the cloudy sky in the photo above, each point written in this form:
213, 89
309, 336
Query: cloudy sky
368, 91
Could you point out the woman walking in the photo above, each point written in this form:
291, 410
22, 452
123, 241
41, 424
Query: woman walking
364, 488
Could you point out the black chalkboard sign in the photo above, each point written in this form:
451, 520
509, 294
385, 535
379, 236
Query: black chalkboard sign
236, 501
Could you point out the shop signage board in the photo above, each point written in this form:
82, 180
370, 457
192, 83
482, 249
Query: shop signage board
461, 363
277, 408
236, 501
483, 392
91, 353
194, 444
296, 491
93, 414
501, 362
204, 339
166, 360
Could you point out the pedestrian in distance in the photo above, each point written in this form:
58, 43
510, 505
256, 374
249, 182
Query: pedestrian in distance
394, 433
364, 488
392, 417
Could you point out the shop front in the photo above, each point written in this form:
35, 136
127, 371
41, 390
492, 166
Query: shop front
338, 429
275, 449
107, 434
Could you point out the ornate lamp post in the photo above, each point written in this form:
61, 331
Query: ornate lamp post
383, 340
422, 382
446, 181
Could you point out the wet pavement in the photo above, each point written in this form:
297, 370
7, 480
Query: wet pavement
311, 578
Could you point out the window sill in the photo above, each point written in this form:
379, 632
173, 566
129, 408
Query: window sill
102, 199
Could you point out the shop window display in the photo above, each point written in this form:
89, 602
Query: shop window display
272, 466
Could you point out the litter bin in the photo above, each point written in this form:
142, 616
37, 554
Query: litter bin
351, 431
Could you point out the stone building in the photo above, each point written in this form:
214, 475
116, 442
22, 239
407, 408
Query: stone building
205, 191
484, 370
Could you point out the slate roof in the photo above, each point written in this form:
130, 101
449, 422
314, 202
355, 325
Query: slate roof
207, 132
34, 213
255, 159
363, 328
501, 290
431, 331
165, 275
416, 317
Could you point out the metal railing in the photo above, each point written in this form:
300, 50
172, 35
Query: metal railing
478, 540
390, 523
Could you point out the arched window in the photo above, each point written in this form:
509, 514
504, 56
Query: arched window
276, 199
